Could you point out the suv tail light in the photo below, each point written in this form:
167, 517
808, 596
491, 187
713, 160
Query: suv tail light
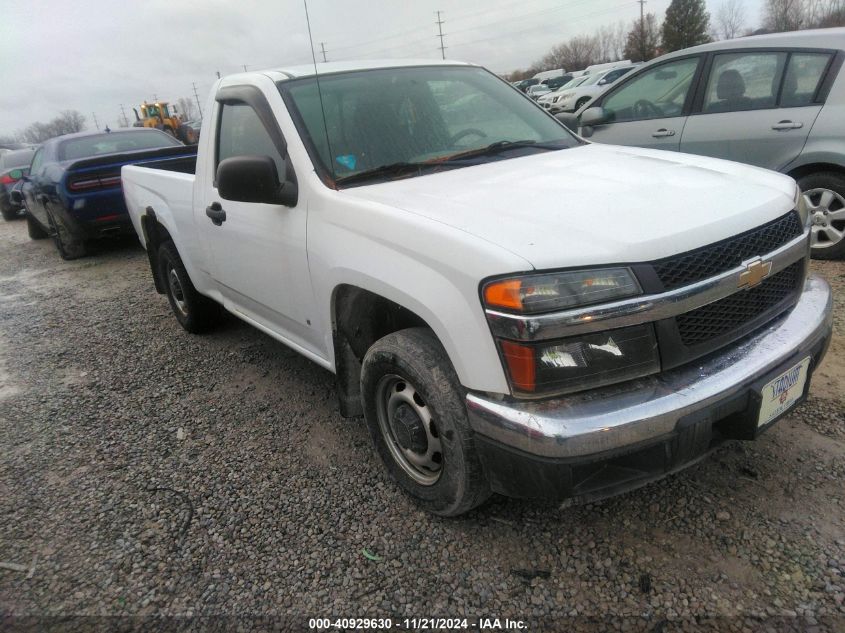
88, 183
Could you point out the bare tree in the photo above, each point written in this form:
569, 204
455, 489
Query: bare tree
730, 20
783, 15
187, 109
824, 13
68, 122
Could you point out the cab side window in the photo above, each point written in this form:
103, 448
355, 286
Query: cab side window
37, 161
804, 72
744, 81
656, 93
243, 134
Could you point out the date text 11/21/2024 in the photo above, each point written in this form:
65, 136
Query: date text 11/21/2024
416, 624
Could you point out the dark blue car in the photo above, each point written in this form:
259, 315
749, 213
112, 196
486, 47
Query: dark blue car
73, 191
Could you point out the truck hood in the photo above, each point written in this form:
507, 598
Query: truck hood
594, 204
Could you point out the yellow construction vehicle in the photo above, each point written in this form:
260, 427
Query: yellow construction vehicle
158, 115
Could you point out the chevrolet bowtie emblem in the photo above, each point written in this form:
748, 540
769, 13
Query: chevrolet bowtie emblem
755, 272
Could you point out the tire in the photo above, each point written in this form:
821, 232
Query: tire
195, 312
9, 214
69, 247
406, 379
580, 103
35, 230
825, 196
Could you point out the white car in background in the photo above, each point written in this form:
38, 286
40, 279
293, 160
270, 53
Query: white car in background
549, 100
538, 90
572, 100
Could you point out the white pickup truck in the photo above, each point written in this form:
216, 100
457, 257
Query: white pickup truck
385, 220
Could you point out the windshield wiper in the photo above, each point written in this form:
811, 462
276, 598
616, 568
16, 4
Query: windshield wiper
499, 147
392, 170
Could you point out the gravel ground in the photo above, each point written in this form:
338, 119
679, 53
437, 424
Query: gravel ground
145, 471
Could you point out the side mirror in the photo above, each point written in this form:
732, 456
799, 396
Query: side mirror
254, 179
593, 116
16, 174
602, 82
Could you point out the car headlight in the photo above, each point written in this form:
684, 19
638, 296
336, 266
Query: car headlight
801, 205
587, 361
531, 294
580, 362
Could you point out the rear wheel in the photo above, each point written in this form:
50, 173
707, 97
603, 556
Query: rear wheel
69, 247
194, 311
825, 196
414, 407
35, 230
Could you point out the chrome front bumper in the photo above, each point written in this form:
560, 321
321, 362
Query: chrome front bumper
647, 409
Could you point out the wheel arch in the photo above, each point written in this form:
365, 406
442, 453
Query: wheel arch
360, 317
155, 234
815, 167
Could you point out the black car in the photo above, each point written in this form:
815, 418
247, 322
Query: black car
73, 190
14, 165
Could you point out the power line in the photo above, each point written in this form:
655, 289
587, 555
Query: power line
540, 26
440, 31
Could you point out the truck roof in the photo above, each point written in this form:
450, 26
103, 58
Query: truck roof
325, 68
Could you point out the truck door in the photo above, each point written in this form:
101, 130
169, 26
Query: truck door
258, 252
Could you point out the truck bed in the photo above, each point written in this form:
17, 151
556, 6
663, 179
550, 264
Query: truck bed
165, 185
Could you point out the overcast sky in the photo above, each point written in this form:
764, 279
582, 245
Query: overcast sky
93, 55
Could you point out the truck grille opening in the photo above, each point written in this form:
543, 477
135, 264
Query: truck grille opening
732, 313
717, 258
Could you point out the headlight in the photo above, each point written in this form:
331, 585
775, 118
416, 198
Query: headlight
581, 362
554, 291
801, 205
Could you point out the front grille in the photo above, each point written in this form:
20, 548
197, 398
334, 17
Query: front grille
714, 259
732, 313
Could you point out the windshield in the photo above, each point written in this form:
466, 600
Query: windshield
574, 83
416, 116
114, 143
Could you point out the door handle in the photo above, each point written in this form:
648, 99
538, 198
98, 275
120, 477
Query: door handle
787, 125
663, 132
216, 213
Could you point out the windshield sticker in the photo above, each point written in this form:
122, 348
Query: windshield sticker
347, 160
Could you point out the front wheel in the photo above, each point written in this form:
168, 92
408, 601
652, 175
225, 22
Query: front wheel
824, 193
195, 312
581, 103
414, 407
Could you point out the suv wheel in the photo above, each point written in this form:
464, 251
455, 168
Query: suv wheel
825, 196
414, 407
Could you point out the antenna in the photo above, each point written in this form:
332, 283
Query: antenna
319, 91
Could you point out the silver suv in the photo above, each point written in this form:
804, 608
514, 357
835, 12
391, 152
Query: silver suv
776, 101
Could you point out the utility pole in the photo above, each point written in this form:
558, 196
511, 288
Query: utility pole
642, 29
96, 123
218, 74
439, 24
125, 121
197, 97
323, 50
244, 67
